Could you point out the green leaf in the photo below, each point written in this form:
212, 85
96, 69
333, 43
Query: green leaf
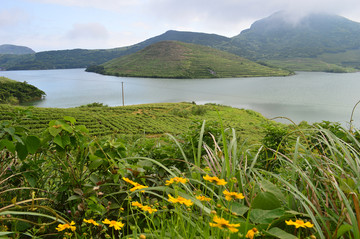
278, 233
265, 216
267, 186
58, 141
82, 128
65, 140
238, 208
54, 131
266, 201
96, 163
32, 144
67, 128
344, 228
21, 151
72, 120
5, 143
30, 179
73, 197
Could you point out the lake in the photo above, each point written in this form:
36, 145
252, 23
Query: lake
309, 96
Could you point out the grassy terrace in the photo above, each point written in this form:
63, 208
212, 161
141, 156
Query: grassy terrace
149, 119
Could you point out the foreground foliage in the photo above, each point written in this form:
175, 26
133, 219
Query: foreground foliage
14, 92
65, 183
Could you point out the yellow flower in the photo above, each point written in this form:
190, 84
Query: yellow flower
251, 233
148, 209
136, 204
223, 223
299, 223
115, 224
136, 185
203, 198
175, 180
180, 200
130, 181
62, 227
144, 208
232, 195
215, 179
91, 221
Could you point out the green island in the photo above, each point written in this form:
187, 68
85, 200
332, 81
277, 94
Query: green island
14, 92
174, 59
176, 170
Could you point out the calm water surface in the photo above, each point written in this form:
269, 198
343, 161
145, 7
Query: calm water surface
310, 96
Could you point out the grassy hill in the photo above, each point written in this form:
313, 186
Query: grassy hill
173, 59
147, 119
14, 92
316, 38
321, 37
16, 50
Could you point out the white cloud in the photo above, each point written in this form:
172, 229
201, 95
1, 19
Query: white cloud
112, 5
90, 31
12, 17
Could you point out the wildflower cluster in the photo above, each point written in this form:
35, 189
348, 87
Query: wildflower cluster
62, 227
232, 195
91, 221
144, 208
215, 179
136, 185
224, 224
115, 224
299, 223
180, 200
176, 180
203, 198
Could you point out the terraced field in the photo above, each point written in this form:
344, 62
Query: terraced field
148, 119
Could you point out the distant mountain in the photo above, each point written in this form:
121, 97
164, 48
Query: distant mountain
82, 58
316, 42
17, 50
279, 36
174, 59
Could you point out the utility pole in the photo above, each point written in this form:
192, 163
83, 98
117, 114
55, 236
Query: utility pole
122, 89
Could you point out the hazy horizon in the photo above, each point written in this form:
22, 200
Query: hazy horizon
102, 24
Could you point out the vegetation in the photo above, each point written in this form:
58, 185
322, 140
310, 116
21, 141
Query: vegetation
327, 38
14, 92
17, 50
64, 183
172, 59
148, 119
310, 64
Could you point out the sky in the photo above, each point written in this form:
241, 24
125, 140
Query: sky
101, 24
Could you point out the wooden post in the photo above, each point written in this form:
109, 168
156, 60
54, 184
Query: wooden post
122, 89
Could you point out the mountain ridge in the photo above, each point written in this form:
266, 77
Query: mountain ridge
317, 38
175, 59
15, 50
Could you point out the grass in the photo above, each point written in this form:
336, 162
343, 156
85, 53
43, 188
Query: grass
147, 119
300, 183
171, 59
311, 64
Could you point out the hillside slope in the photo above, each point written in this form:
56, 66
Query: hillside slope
278, 37
14, 92
16, 50
173, 59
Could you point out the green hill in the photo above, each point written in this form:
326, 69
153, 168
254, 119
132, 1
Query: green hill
319, 37
16, 50
173, 59
326, 42
14, 92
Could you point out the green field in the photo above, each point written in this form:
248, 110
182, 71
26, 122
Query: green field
172, 59
148, 119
